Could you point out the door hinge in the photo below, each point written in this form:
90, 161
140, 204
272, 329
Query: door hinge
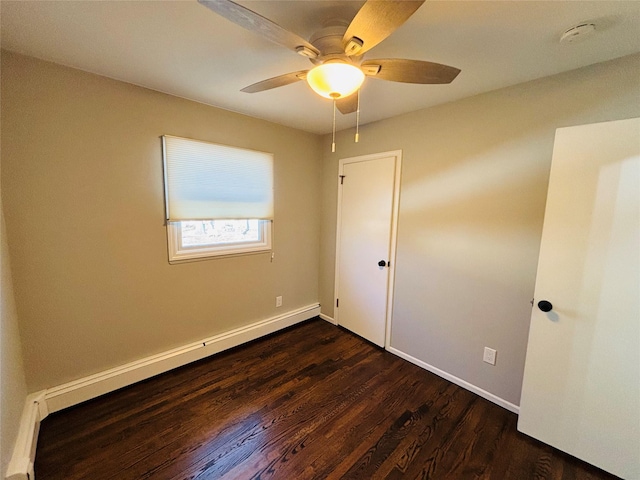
341, 179
337, 302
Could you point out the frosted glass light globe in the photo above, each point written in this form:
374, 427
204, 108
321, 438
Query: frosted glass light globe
335, 80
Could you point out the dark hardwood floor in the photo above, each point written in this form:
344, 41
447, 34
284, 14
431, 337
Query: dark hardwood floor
311, 402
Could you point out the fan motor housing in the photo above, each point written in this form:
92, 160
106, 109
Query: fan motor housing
329, 40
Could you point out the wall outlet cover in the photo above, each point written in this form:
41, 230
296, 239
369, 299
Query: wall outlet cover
489, 355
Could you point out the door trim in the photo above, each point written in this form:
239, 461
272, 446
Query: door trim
395, 208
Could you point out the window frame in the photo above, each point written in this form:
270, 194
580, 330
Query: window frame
178, 253
222, 202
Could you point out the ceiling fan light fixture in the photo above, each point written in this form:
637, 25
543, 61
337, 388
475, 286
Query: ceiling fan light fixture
335, 80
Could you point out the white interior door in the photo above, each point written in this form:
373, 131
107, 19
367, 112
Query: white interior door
367, 208
581, 390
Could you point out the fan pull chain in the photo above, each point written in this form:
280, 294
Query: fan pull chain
358, 118
333, 140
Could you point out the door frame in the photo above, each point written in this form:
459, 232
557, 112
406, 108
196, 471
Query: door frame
395, 208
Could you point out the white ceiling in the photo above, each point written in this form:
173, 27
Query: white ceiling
182, 48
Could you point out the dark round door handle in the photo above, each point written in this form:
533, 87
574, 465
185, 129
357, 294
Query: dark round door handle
382, 263
545, 306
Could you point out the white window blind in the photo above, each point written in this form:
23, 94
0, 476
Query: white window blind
209, 181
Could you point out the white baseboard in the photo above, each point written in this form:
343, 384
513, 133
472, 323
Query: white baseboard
86, 388
458, 381
447, 376
24, 451
329, 319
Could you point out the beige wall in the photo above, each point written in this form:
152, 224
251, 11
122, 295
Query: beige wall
472, 202
13, 386
83, 194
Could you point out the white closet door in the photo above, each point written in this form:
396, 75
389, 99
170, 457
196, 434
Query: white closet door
367, 203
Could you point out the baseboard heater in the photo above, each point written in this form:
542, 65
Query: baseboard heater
21, 466
39, 405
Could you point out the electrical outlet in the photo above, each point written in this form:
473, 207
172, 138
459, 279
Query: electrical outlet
489, 356
279, 301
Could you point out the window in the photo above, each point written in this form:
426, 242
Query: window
219, 199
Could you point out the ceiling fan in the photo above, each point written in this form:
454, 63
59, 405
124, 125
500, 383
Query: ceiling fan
337, 50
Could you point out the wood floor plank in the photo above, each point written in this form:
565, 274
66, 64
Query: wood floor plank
372, 419
311, 402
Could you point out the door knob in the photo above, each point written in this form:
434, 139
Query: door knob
382, 263
545, 306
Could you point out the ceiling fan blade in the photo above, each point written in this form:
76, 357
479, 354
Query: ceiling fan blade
257, 23
275, 82
376, 20
348, 104
411, 71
